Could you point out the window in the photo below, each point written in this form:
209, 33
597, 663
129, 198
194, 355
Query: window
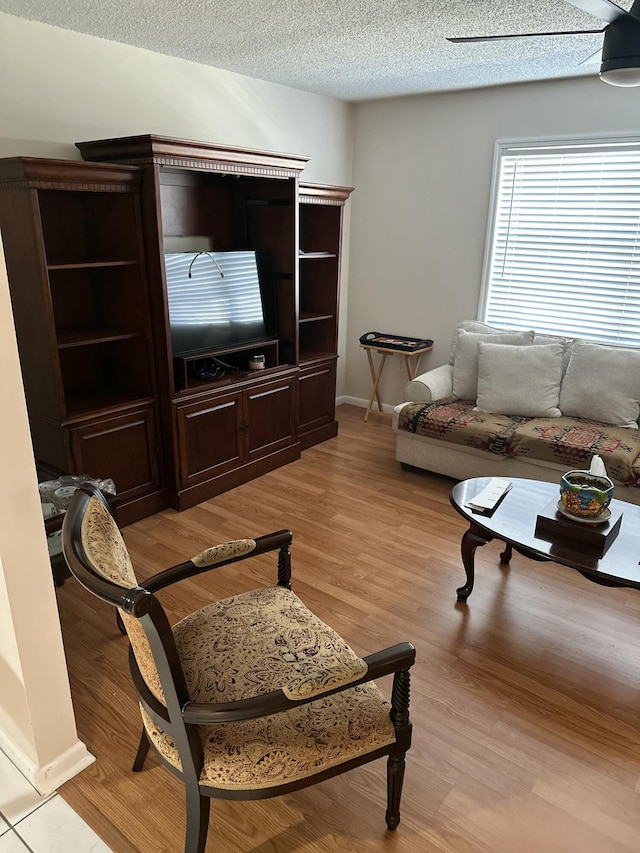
564, 242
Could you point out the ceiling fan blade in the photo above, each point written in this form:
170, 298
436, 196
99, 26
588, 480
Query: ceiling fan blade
462, 39
605, 9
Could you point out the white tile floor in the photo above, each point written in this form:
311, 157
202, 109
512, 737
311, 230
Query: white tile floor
30, 823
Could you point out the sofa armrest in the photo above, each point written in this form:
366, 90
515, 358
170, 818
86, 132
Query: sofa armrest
432, 385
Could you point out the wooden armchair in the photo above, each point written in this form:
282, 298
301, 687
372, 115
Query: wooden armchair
249, 697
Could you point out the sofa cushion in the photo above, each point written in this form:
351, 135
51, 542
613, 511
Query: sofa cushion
564, 441
519, 380
457, 422
465, 365
474, 326
602, 383
571, 442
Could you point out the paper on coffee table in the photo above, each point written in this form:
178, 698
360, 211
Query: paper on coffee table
489, 497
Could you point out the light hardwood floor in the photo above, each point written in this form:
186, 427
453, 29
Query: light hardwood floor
525, 702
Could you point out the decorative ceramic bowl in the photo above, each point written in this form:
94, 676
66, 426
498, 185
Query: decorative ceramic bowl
585, 495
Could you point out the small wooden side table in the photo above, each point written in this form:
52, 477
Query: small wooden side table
411, 365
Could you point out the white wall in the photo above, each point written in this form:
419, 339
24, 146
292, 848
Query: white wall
61, 87
37, 728
58, 88
422, 169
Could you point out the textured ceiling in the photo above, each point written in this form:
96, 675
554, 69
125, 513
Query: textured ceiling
350, 49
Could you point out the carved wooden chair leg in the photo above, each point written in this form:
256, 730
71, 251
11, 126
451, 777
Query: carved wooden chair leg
141, 754
197, 820
396, 763
395, 777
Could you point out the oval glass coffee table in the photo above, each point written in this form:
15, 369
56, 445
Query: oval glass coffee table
514, 523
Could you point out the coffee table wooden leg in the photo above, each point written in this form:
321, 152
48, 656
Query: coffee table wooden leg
505, 555
470, 541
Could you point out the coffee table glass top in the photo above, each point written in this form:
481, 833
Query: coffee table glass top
514, 522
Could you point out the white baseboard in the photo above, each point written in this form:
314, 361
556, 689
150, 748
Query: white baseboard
48, 779
362, 404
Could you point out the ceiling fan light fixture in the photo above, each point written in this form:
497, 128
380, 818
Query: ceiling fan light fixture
621, 53
626, 75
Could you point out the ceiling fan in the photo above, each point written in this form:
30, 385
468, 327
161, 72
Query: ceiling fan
621, 45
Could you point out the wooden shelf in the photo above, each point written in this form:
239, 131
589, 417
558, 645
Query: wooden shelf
90, 337
231, 379
307, 356
85, 265
234, 358
313, 318
269, 202
100, 399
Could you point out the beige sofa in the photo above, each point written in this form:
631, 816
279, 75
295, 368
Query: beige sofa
531, 406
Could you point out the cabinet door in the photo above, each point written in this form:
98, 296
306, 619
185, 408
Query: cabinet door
209, 438
124, 448
316, 396
270, 418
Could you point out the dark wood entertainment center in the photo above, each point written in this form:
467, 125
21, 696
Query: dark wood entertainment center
84, 243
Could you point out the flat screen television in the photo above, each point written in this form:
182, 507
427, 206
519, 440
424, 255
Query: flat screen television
219, 299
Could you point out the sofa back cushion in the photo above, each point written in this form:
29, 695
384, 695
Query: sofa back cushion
476, 327
567, 343
520, 380
602, 383
465, 365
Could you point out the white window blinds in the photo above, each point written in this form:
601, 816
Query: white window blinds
565, 241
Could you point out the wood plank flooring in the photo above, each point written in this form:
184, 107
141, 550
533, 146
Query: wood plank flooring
525, 702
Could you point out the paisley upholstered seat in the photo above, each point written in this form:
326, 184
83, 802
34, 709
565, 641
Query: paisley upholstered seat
250, 696
256, 643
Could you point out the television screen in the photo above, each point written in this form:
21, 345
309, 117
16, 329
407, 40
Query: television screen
219, 299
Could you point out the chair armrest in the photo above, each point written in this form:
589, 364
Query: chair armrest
433, 385
386, 662
213, 558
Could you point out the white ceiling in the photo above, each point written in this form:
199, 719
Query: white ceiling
350, 49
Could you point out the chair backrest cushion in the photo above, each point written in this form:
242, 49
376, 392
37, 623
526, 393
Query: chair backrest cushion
104, 546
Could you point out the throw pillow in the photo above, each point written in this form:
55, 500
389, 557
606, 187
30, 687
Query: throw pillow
602, 383
465, 366
517, 380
